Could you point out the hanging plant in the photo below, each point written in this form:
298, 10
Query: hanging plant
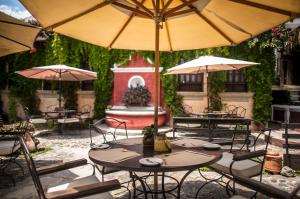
137, 96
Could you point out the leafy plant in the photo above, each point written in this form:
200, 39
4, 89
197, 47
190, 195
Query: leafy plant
12, 110
216, 85
148, 130
137, 96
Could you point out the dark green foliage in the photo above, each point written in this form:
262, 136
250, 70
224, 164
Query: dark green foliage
137, 96
259, 81
64, 50
216, 85
148, 130
12, 110
169, 83
23, 89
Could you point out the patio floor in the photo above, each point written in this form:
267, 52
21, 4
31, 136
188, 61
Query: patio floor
74, 144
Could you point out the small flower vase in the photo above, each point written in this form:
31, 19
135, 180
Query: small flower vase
162, 144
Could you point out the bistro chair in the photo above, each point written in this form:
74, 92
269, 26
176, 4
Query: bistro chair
84, 113
292, 142
52, 112
265, 189
241, 112
34, 119
101, 129
244, 159
87, 187
230, 110
10, 150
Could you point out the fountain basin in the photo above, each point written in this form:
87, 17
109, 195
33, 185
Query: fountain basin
135, 117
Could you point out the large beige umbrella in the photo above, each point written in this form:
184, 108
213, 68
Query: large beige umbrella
58, 73
162, 25
15, 35
205, 64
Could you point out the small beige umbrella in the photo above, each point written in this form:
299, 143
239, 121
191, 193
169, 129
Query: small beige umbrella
205, 64
15, 35
162, 25
58, 73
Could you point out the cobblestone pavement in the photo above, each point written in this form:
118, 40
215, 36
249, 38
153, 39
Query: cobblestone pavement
74, 144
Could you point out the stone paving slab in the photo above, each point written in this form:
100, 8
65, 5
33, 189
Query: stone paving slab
72, 145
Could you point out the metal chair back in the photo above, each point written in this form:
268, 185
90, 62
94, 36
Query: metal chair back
241, 112
32, 168
98, 127
292, 142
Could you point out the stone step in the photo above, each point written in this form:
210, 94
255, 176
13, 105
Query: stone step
277, 140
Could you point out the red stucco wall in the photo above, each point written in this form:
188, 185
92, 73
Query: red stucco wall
121, 86
121, 80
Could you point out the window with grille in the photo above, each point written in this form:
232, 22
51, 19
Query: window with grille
235, 81
190, 82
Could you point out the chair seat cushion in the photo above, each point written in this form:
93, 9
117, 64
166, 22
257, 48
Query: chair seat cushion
7, 147
81, 182
68, 120
38, 121
85, 116
246, 168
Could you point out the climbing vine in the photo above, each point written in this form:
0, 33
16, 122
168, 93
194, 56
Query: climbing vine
64, 50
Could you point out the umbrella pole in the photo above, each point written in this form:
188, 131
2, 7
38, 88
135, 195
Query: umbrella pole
59, 88
207, 88
156, 64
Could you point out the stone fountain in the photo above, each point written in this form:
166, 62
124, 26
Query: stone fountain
138, 72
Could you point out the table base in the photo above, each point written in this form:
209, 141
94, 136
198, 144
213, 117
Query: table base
155, 190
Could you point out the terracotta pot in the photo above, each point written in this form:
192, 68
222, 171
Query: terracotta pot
273, 162
148, 140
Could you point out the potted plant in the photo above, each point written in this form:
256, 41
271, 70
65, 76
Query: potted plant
148, 139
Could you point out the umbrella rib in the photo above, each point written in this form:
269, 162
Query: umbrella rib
264, 7
211, 24
96, 7
87, 74
140, 5
184, 4
165, 7
167, 26
18, 24
236, 68
230, 23
74, 76
15, 41
120, 32
169, 36
137, 11
38, 72
181, 12
124, 26
153, 4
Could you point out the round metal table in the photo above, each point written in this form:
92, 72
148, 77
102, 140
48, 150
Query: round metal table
132, 165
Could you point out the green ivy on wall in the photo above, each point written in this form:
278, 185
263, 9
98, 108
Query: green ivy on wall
64, 50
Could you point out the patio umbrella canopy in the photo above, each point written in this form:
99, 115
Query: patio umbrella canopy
58, 73
162, 25
15, 35
205, 64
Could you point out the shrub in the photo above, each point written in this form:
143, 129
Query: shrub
137, 96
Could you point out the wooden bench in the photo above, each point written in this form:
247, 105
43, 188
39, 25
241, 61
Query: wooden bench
212, 126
